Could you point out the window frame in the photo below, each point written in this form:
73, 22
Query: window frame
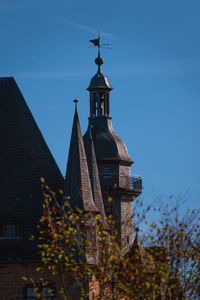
11, 233
40, 287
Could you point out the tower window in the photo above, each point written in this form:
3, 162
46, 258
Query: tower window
102, 99
94, 96
101, 108
102, 96
107, 170
109, 209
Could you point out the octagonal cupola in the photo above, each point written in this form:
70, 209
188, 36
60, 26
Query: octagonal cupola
99, 89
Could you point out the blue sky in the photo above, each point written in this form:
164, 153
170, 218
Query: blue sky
154, 67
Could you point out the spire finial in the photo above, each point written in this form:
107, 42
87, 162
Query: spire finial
75, 101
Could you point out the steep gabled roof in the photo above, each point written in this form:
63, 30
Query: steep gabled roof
94, 175
77, 183
24, 159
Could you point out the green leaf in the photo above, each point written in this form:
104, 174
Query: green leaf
148, 284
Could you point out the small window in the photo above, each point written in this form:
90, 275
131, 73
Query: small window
47, 293
107, 170
11, 230
102, 96
93, 296
30, 294
108, 209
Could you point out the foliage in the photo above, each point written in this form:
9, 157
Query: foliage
178, 234
83, 253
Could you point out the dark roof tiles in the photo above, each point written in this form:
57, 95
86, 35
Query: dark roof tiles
99, 81
24, 159
108, 146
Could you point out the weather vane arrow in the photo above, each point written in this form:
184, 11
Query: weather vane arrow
96, 42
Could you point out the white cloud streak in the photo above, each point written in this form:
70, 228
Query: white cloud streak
84, 27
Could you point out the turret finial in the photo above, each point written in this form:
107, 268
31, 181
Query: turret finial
99, 80
75, 101
99, 60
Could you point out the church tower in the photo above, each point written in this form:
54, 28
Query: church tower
119, 188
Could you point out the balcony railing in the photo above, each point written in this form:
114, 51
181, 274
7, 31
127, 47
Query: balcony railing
132, 182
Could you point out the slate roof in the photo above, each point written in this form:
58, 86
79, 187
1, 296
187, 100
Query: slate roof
108, 146
24, 159
77, 184
99, 81
94, 175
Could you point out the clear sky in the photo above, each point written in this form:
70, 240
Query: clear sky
154, 67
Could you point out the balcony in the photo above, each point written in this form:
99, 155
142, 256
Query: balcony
114, 180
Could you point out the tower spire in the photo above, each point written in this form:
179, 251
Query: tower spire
77, 184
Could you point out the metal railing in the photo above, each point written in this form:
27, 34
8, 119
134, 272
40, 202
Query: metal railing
133, 182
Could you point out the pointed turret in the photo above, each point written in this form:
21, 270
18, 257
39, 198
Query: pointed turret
94, 175
77, 183
138, 254
137, 251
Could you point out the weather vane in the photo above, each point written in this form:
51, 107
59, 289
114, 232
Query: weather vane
99, 60
96, 42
